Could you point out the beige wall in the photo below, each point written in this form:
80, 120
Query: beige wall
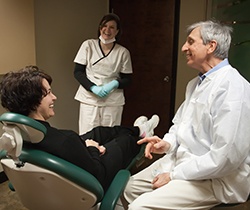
191, 11
61, 26
17, 35
17, 45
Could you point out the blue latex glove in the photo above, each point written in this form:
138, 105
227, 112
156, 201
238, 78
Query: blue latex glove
98, 90
107, 88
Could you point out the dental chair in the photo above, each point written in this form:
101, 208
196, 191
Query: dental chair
44, 181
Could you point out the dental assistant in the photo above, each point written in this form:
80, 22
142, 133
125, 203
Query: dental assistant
103, 68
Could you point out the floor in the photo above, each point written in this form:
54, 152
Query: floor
9, 200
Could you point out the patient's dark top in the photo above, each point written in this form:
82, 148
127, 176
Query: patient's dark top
120, 143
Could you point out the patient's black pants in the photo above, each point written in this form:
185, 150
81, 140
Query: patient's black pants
121, 147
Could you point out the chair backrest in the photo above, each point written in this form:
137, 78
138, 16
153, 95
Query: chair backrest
17, 128
41, 180
40, 189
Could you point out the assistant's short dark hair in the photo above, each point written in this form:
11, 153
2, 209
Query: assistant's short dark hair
108, 17
22, 91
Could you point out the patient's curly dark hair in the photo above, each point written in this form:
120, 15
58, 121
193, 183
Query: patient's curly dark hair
22, 91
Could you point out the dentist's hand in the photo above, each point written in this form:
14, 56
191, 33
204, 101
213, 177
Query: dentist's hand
154, 145
161, 180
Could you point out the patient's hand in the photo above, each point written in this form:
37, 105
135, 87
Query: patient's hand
102, 150
91, 142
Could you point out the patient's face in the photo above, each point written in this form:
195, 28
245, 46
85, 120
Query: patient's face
46, 108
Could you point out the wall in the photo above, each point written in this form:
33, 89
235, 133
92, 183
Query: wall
17, 35
17, 47
191, 11
61, 26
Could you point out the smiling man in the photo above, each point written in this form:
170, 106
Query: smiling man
207, 159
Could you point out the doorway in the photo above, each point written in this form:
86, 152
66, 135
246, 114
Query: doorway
150, 33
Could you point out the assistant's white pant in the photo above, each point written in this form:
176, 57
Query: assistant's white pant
92, 116
176, 195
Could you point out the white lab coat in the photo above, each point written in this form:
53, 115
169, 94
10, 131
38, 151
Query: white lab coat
211, 133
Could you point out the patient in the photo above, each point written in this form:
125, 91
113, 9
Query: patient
103, 151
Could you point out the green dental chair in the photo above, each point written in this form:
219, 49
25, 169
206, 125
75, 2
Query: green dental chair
43, 181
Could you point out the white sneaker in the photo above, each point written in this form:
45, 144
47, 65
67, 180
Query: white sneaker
148, 127
140, 120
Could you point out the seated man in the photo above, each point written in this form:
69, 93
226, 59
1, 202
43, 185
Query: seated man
207, 159
103, 151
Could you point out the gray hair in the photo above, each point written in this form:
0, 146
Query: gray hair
212, 30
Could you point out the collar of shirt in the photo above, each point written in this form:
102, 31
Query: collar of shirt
216, 68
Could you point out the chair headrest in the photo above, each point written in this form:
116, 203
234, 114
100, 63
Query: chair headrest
18, 128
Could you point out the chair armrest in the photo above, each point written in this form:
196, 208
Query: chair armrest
138, 159
115, 190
